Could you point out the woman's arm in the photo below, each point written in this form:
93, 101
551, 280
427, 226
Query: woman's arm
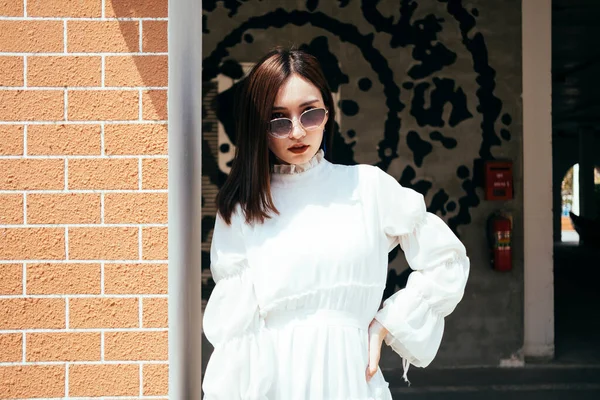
241, 366
414, 316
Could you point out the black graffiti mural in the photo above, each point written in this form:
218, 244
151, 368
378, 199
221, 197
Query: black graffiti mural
437, 100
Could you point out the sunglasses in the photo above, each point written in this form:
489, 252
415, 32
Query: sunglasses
281, 128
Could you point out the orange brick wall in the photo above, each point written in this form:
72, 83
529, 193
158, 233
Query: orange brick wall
83, 198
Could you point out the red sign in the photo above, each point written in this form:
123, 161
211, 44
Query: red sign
498, 180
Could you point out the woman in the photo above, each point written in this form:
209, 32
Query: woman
299, 255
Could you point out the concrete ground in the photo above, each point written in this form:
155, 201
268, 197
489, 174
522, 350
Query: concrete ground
529, 383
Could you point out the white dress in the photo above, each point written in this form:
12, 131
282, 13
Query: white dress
293, 299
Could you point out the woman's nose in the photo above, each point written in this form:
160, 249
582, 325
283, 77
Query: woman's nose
297, 130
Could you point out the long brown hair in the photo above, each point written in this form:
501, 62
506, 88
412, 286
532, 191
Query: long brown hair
249, 182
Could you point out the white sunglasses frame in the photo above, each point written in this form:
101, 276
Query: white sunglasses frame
295, 120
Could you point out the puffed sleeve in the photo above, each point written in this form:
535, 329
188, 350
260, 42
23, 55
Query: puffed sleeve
241, 365
414, 316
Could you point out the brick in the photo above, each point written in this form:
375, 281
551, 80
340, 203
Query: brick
103, 174
12, 140
155, 312
103, 36
136, 139
154, 37
103, 105
11, 346
155, 243
103, 243
137, 8
155, 379
63, 346
11, 70
12, 8
31, 36
32, 105
134, 346
62, 71
59, 140
135, 279
136, 71
67, 208
33, 381
104, 312
11, 280
135, 208
11, 209
32, 313
64, 8
63, 279
104, 380
154, 105
32, 243
32, 174
155, 173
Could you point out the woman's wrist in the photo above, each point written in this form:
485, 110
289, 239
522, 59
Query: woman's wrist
377, 327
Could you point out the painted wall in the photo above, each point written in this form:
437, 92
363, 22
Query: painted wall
428, 91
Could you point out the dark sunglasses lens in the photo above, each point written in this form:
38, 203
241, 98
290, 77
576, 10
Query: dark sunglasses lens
312, 118
281, 127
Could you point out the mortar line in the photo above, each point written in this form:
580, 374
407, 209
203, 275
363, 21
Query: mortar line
24, 279
103, 70
140, 176
140, 244
25, 128
66, 243
24, 349
65, 36
17, 226
67, 380
66, 100
24, 208
141, 32
25, 71
99, 19
94, 122
67, 311
102, 278
140, 113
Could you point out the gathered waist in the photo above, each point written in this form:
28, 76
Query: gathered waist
276, 319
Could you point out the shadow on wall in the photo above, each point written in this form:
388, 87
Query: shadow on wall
151, 69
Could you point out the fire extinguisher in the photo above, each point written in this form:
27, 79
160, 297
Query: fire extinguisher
499, 239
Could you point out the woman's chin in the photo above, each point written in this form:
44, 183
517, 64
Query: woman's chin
291, 157
299, 158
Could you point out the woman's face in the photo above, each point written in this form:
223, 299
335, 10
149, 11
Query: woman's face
296, 96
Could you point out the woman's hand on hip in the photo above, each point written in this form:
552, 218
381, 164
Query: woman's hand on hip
377, 333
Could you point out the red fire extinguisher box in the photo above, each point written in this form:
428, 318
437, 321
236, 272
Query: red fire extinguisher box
498, 180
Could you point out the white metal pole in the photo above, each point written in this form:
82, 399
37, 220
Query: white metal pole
537, 179
575, 201
185, 139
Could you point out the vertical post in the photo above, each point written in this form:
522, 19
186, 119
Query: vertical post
587, 204
575, 207
185, 139
537, 178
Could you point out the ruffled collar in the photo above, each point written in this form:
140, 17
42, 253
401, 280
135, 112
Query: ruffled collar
297, 175
291, 169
